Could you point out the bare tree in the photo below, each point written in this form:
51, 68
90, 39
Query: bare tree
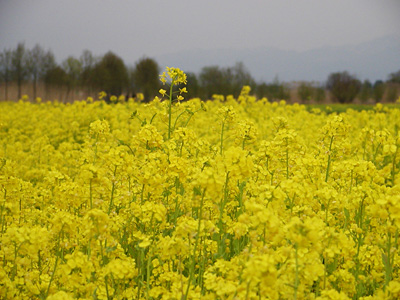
38, 63
19, 66
73, 69
6, 69
88, 62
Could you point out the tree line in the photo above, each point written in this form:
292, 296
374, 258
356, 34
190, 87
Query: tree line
90, 75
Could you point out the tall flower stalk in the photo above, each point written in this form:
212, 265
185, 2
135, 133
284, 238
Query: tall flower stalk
172, 77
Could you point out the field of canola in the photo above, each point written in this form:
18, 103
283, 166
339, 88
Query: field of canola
225, 199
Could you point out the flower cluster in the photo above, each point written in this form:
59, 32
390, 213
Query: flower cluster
225, 199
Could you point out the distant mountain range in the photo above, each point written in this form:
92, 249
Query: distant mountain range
373, 60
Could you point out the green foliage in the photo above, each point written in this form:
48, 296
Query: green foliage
392, 91
73, 68
343, 86
319, 94
307, 91
378, 90
342, 108
365, 91
193, 86
144, 78
274, 91
88, 75
224, 81
394, 77
111, 75
108, 73
56, 77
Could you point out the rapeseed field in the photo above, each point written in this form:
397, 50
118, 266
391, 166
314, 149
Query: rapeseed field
224, 199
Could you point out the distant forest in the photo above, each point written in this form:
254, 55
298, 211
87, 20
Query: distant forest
35, 73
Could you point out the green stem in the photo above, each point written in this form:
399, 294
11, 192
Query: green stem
190, 116
148, 273
287, 159
224, 200
388, 265
326, 269
106, 283
51, 278
91, 195
192, 267
170, 110
3, 218
112, 192
375, 154
248, 289
296, 280
394, 168
142, 195
177, 118
181, 148
329, 160
222, 137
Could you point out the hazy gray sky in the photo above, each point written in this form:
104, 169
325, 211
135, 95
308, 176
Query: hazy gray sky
133, 29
